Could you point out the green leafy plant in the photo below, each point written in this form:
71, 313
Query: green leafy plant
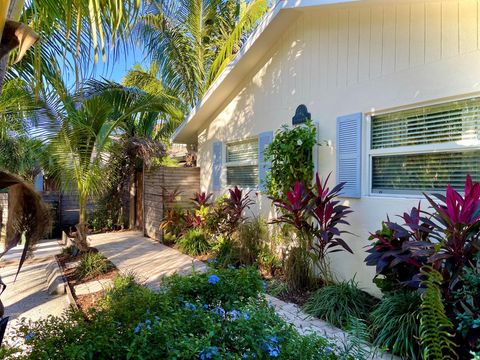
252, 238
299, 269
467, 305
92, 264
436, 329
276, 288
395, 323
219, 315
338, 303
317, 217
194, 242
290, 157
356, 346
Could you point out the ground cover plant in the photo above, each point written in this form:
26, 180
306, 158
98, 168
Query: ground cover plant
195, 317
92, 264
339, 303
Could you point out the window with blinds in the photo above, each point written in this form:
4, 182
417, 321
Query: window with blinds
242, 163
425, 149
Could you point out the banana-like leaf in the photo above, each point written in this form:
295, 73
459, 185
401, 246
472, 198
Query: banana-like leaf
27, 215
17, 35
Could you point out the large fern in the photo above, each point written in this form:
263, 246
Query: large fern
436, 329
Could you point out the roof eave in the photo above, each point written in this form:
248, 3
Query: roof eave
259, 42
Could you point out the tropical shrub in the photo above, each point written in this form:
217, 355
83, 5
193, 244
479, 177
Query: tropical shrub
316, 215
392, 253
177, 323
92, 264
395, 324
467, 305
174, 222
339, 303
445, 238
194, 242
290, 157
231, 286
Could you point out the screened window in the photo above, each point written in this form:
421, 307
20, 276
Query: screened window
242, 163
425, 149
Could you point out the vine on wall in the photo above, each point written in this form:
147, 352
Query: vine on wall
290, 155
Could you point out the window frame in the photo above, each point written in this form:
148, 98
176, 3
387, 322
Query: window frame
407, 150
240, 163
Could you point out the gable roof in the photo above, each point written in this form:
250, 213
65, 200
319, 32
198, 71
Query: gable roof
275, 22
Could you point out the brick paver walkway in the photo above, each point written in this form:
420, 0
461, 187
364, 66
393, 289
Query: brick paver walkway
146, 259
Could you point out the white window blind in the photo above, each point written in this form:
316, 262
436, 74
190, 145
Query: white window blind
454, 121
242, 163
425, 149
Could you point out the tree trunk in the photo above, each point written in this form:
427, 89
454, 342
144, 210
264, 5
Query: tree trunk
132, 205
82, 226
4, 61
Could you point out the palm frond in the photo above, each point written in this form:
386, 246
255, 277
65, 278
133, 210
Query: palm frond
249, 17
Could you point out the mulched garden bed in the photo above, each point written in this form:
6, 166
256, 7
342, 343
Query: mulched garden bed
87, 301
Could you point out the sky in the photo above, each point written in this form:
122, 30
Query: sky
114, 69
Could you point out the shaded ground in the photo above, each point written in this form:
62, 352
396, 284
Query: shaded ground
27, 297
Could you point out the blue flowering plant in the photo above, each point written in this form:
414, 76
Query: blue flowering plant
220, 315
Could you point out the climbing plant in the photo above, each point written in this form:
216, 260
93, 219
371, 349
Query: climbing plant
290, 156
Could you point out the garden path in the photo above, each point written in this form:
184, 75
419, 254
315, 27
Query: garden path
149, 260
28, 296
146, 259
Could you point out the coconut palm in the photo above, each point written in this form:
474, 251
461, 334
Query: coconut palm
68, 28
82, 134
191, 41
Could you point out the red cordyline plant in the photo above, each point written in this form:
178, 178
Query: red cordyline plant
201, 199
316, 215
447, 237
456, 223
234, 208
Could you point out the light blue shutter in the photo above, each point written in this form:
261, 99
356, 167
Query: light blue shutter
264, 139
217, 165
349, 143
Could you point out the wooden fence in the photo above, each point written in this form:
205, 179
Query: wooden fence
158, 183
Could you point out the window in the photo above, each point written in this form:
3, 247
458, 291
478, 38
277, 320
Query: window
242, 163
425, 149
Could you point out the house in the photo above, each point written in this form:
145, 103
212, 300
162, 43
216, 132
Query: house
393, 85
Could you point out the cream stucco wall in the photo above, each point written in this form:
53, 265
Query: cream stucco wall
354, 58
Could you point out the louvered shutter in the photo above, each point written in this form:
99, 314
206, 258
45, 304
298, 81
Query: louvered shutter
217, 165
264, 139
349, 141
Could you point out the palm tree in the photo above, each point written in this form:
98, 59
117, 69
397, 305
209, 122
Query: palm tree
82, 134
19, 112
66, 28
140, 138
191, 41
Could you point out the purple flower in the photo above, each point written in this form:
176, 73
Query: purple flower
213, 279
190, 306
29, 336
219, 311
138, 328
208, 353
